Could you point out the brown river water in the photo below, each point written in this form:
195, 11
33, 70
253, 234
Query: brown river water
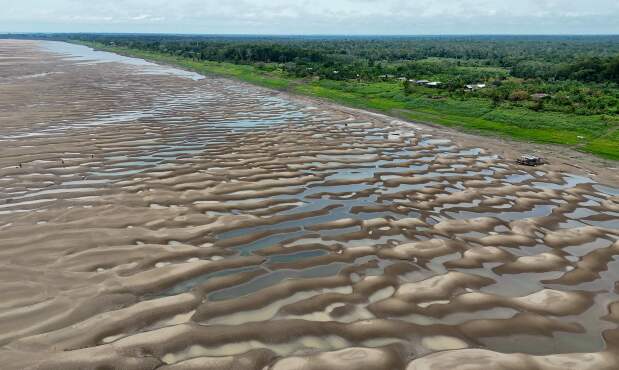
152, 218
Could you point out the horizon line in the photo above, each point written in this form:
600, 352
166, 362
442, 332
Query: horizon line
300, 34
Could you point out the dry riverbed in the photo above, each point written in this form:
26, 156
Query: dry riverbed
151, 218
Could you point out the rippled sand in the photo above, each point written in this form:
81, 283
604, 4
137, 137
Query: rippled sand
153, 219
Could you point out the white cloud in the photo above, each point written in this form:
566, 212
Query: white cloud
317, 16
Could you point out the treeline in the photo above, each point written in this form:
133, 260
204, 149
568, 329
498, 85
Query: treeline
580, 58
586, 69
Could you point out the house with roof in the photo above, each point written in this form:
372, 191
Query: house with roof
472, 87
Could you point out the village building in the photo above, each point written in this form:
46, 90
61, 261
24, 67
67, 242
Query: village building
472, 87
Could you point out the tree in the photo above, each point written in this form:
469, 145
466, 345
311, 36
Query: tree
408, 87
519, 95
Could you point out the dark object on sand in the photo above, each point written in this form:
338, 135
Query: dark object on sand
530, 160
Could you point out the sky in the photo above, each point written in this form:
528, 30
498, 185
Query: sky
333, 17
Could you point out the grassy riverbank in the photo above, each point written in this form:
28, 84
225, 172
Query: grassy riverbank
597, 134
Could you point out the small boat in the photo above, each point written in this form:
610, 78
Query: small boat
530, 160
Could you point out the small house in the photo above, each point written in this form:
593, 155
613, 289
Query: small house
434, 84
472, 87
539, 96
422, 82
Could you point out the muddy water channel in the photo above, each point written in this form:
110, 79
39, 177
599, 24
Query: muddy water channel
152, 218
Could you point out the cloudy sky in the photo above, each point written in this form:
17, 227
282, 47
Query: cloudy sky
313, 16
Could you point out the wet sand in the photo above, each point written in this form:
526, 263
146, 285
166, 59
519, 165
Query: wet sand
154, 219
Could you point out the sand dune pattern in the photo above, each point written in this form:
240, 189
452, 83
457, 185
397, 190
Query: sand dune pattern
153, 220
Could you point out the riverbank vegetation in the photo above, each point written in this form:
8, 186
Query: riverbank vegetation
553, 89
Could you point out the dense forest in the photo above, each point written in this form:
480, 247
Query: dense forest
582, 58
